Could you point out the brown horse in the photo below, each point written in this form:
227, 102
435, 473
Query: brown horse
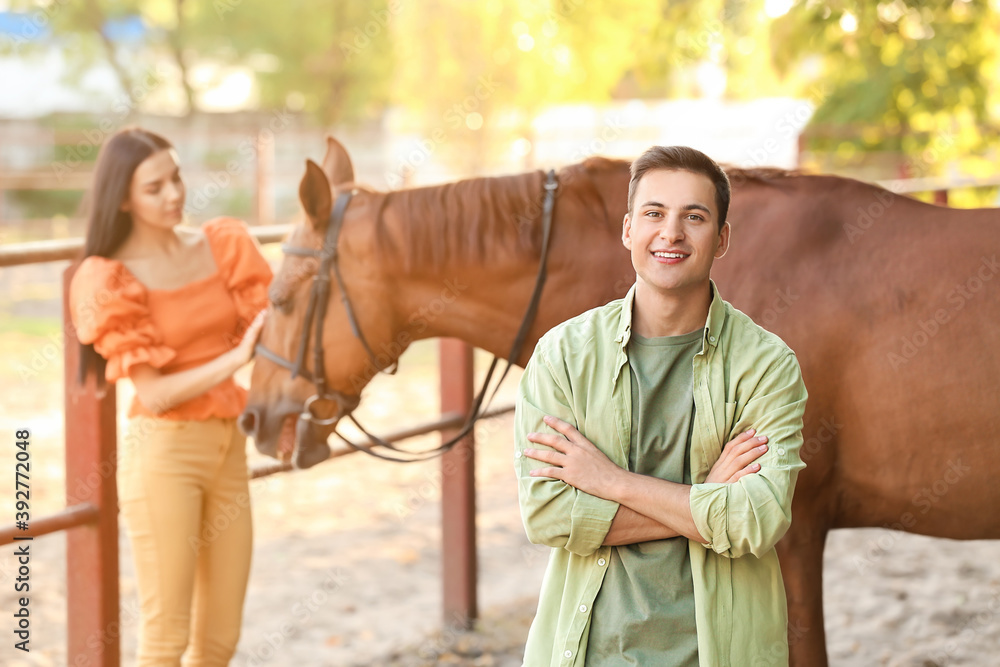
891, 305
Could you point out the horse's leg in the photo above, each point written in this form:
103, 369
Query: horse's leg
801, 555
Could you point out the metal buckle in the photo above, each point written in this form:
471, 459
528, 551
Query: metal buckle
307, 412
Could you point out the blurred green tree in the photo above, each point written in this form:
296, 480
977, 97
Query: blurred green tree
894, 76
333, 60
915, 78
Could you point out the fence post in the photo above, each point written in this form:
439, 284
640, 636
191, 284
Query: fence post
94, 631
264, 179
458, 490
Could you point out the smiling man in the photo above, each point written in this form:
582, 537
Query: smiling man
662, 536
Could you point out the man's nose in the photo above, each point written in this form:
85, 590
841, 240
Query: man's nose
672, 229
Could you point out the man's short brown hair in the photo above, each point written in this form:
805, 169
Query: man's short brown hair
682, 158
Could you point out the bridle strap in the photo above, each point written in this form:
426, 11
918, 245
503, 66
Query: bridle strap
316, 315
336, 222
536, 296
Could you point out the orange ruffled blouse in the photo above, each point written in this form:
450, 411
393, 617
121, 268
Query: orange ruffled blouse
177, 329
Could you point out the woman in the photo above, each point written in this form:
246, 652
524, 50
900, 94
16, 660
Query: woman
177, 310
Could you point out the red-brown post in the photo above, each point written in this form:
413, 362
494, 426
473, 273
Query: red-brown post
941, 197
94, 630
458, 490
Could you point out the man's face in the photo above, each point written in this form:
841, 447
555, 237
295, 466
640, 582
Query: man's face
673, 231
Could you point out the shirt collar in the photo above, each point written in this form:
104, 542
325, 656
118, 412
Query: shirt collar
713, 324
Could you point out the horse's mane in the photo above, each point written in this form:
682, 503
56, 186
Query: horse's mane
466, 221
761, 174
736, 174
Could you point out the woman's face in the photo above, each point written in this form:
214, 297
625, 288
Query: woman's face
156, 194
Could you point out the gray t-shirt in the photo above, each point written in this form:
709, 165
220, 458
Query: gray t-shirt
644, 613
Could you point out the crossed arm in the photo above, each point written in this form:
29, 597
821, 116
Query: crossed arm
666, 505
574, 496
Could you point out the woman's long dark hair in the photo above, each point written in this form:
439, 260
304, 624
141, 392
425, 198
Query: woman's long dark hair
107, 225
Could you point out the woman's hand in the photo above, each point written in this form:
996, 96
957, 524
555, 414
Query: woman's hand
244, 351
738, 458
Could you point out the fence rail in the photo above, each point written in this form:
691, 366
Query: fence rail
37, 252
71, 517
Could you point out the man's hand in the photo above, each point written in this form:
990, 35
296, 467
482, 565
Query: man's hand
738, 458
576, 460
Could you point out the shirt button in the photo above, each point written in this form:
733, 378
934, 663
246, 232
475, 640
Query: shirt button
781, 451
601, 562
517, 454
568, 654
711, 338
583, 608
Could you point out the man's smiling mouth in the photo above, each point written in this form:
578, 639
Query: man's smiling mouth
670, 256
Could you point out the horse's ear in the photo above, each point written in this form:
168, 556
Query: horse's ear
337, 163
314, 193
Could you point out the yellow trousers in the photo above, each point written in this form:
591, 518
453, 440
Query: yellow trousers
185, 503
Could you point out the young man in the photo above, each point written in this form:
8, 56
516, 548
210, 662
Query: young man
663, 538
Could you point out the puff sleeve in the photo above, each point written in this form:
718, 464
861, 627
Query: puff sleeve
108, 309
247, 273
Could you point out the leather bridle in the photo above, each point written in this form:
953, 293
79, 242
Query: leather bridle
319, 296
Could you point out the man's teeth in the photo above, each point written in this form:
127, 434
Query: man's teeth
672, 255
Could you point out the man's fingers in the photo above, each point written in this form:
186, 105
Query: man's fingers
563, 427
750, 456
740, 439
545, 455
743, 472
556, 442
554, 473
746, 445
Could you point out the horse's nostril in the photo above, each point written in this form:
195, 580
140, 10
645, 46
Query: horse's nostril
247, 422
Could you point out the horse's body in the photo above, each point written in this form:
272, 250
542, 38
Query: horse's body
891, 306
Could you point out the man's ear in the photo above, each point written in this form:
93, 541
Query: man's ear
627, 232
724, 238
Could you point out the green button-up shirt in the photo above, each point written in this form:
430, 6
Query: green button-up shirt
743, 376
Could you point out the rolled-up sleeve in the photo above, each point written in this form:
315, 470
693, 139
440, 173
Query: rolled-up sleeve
752, 514
554, 513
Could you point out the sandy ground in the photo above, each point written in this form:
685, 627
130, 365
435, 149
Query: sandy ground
347, 563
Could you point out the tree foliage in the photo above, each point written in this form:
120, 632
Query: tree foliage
913, 77
902, 75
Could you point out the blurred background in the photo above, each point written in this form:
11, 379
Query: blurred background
427, 91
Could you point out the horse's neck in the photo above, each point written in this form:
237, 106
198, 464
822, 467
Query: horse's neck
486, 303
483, 305
483, 300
